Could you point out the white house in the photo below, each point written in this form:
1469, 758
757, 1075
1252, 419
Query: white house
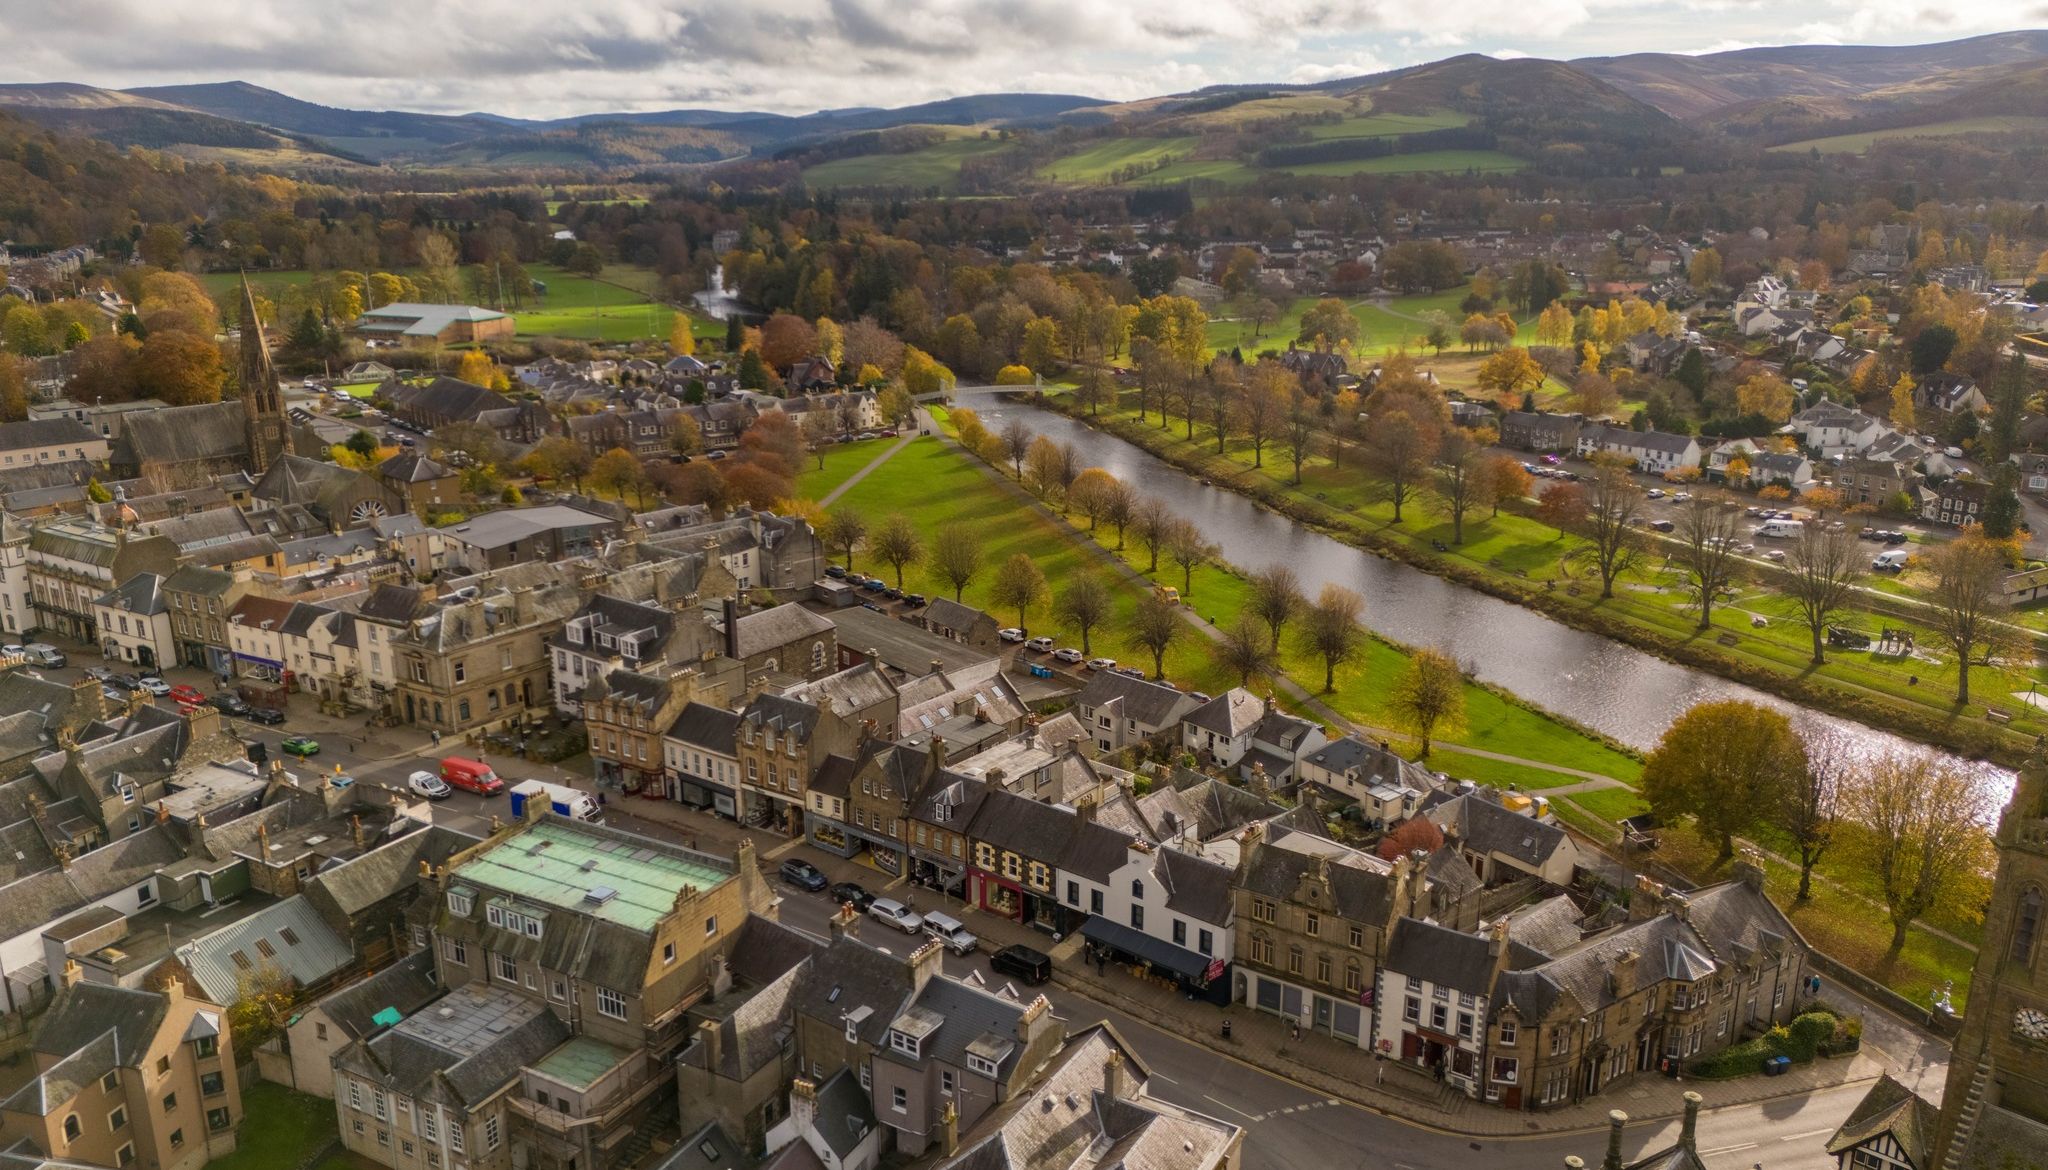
701, 759
1222, 727
1279, 743
1832, 430
1119, 710
1385, 787
1430, 1000
134, 622
15, 615
1653, 451
1772, 467
1171, 909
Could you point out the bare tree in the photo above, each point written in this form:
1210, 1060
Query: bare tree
1018, 585
1119, 507
1221, 388
1920, 830
1462, 484
1188, 548
844, 530
1822, 569
1245, 650
1299, 430
1809, 800
1016, 440
1612, 503
1155, 627
1708, 524
1085, 604
1187, 387
1151, 520
897, 543
1331, 628
1276, 597
1968, 604
1401, 439
1044, 467
956, 556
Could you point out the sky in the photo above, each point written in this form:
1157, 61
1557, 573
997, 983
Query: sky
531, 58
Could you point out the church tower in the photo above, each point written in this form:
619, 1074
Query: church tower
1996, 1100
263, 418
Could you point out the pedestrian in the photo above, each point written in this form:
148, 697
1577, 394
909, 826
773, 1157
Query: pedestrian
436, 736
600, 798
1379, 1070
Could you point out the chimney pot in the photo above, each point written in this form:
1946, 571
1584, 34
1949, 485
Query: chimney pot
1688, 1130
1615, 1120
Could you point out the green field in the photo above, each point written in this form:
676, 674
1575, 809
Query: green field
1431, 161
359, 389
280, 1129
555, 205
1384, 125
1382, 328
1097, 163
935, 166
1858, 143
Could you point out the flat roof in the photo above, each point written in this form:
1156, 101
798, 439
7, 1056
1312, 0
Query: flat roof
470, 1019
580, 1063
631, 883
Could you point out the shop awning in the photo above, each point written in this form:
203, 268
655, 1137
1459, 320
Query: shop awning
1158, 952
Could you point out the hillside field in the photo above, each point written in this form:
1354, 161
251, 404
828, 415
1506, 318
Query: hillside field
1103, 159
934, 166
1424, 161
1386, 125
1859, 143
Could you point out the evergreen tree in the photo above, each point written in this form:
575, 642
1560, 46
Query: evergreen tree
735, 333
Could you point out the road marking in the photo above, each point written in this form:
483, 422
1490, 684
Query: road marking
1807, 1136
1232, 1108
1157, 1076
1732, 1149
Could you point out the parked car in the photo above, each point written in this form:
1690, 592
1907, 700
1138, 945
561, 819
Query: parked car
153, 685
300, 746
229, 705
914, 600
952, 932
1020, 961
267, 716
44, 654
1776, 554
99, 674
803, 875
874, 584
1895, 538
429, 785
852, 892
1067, 654
126, 681
1133, 671
1102, 664
187, 694
836, 572
1655, 493
1010, 634
1039, 645
896, 914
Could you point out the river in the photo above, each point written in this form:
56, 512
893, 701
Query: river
719, 305
1603, 684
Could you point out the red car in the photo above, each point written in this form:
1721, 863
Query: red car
187, 695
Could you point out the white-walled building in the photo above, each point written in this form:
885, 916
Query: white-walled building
1431, 997
134, 621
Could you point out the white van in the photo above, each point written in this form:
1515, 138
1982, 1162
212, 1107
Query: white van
1891, 560
1780, 529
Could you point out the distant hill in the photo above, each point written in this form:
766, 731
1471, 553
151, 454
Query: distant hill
359, 129
1697, 87
126, 119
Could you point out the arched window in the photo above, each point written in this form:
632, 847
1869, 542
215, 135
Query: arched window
817, 656
2026, 925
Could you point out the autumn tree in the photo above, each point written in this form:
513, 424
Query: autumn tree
1767, 395
1018, 585
1594, 395
1705, 270
1084, 604
1275, 598
477, 368
894, 404
956, 556
1822, 569
1723, 763
1330, 628
1245, 650
1429, 696
1808, 807
896, 544
182, 369
1119, 506
1705, 535
787, 339
1417, 833
682, 342
1091, 493
1509, 374
1919, 831
845, 530
1151, 520
1328, 325
618, 472
1507, 479
1400, 445
1562, 506
1460, 482
1188, 548
1968, 607
1050, 468
1262, 404
1016, 439
1612, 503
1155, 626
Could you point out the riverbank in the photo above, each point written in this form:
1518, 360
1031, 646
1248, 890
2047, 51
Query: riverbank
1517, 560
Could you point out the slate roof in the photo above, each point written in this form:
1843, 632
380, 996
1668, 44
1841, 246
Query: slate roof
1195, 886
710, 728
406, 986
1095, 851
969, 1014
446, 397
1889, 1107
387, 870
1442, 956
289, 937
784, 715
1024, 826
84, 1011
850, 975
184, 434
1482, 825
1152, 704
143, 594
772, 629
844, 1115
412, 467
1359, 892
44, 432
1550, 926
1233, 713
1666, 948
948, 614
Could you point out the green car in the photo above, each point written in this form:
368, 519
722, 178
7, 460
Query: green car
300, 746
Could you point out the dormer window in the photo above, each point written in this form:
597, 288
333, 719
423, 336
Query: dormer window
460, 902
629, 647
981, 1066
905, 1043
575, 632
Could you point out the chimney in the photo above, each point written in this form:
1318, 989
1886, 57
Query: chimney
174, 988
63, 852
1497, 945
1259, 785
938, 752
1403, 878
73, 973
522, 606
937, 666
1749, 868
1615, 1120
1687, 1130
950, 1120
1648, 899
1035, 1020
1113, 1084
1623, 974
925, 962
355, 830
732, 628
743, 858
1418, 890
709, 1035
803, 1105
263, 842
845, 922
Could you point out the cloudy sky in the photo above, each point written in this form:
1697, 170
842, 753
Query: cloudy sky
536, 59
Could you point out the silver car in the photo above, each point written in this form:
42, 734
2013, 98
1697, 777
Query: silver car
896, 914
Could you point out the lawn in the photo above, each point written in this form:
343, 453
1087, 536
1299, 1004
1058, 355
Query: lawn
842, 461
1422, 161
1858, 143
281, 1129
1383, 326
1099, 162
931, 167
359, 389
1387, 125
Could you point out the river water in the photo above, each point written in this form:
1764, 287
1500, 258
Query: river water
1601, 683
716, 303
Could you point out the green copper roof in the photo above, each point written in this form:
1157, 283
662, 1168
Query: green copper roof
558, 863
579, 1063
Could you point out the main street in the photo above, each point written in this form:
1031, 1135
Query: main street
1287, 1125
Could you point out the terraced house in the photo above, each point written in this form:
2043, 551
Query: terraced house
573, 954
73, 562
475, 657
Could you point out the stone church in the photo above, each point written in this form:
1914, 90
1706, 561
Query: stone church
187, 446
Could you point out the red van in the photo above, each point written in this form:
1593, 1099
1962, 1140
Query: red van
471, 776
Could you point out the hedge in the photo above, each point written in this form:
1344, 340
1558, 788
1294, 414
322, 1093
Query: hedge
1808, 1035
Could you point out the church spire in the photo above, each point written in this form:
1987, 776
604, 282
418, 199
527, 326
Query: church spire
262, 402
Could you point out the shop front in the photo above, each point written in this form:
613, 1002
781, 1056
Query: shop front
699, 793
883, 850
255, 666
1197, 975
1008, 899
1340, 1019
829, 835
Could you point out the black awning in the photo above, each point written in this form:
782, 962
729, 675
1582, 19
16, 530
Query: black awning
1158, 952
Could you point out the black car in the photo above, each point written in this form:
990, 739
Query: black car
836, 572
264, 715
914, 600
230, 705
852, 892
803, 875
127, 682
1895, 538
1033, 967
893, 593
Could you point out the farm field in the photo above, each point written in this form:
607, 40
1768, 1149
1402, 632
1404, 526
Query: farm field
1383, 125
1439, 161
1382, 326
1102, 160
1858, 143
934, 166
